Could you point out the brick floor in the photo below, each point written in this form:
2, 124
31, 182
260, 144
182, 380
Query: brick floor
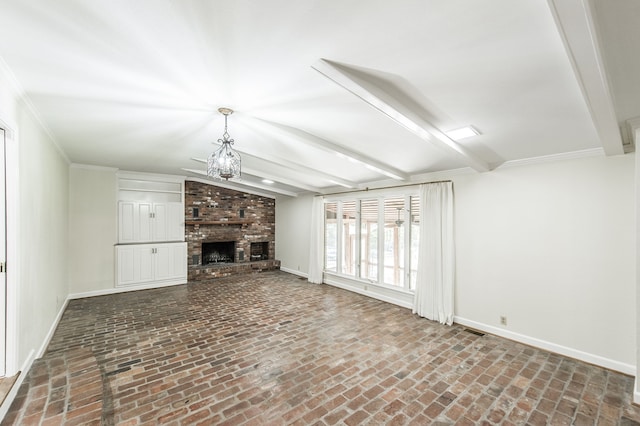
271, 349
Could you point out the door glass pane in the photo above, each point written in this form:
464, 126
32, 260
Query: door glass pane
415, 239
369, 239
348, 237
330, 236
394, 226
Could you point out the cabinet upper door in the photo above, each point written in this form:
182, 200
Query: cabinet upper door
144, 222
134, 222
168, 222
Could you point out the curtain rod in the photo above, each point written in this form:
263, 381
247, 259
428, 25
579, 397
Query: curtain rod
384, 187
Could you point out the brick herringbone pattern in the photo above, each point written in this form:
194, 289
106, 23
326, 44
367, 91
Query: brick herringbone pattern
271, 349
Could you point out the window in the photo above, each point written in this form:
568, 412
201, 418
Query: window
330, 237
374, 238
414, 214
369, 239
394, 219
348, 238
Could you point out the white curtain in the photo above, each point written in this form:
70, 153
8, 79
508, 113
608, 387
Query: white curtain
436, 258
316, 241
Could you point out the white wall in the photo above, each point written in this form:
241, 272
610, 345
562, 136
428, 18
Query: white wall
292, 233
92, 228
551, 246
38, 272
42, 236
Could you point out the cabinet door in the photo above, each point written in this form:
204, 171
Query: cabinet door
125, 265
159, 222
134, 222
175, 222
134, 264
145, 222
168, 222
128, 222
171, 261
144, 257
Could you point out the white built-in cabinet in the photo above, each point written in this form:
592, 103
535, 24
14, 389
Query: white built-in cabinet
151, 248
142, 222
146, 263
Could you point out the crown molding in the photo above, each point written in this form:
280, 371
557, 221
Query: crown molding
93, 167
21, 95
564, 156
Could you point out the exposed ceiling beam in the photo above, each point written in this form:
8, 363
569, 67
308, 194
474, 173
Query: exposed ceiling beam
396, 110
298, 135
239, 186
264, 156
262, 174
577, 29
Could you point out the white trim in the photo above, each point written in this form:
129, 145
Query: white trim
294, 272
124, 289
564, 156
246, 189
240, 185
390, 295
52, 329
13, 254
93, 167
125, 174
578, 32
441, 175
636, 392
633, 127
26, 366
10, 77
549, 346
20, 93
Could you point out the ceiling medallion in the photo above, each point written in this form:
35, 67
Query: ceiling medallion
224, 163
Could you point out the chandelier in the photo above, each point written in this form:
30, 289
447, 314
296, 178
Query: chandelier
224, 163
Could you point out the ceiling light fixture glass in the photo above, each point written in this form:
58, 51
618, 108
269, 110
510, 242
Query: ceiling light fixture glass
224, 163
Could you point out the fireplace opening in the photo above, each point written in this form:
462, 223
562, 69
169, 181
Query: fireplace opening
260, 251
218, 252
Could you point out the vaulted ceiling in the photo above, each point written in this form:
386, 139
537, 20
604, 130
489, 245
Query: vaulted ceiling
327, 94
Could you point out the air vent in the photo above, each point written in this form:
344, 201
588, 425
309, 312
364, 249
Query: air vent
472, 331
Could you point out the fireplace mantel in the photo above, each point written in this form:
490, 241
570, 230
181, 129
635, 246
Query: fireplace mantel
218, 222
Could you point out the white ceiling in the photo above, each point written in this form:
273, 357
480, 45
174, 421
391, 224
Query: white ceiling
321, 88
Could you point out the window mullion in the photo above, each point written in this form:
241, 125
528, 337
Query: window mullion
339, 238
380, 240
407, 242
358, 238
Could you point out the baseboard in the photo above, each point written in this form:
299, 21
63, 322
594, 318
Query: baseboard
26, 366
294, 272
107, 291
52, 329
552, 347
636, 392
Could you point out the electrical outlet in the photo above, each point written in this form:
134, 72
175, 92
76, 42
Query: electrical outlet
503, 320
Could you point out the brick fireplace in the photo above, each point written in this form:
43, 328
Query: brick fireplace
228, 232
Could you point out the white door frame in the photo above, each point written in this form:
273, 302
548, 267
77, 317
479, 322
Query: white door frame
12, 219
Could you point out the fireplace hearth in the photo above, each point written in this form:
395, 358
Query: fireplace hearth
218, 252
